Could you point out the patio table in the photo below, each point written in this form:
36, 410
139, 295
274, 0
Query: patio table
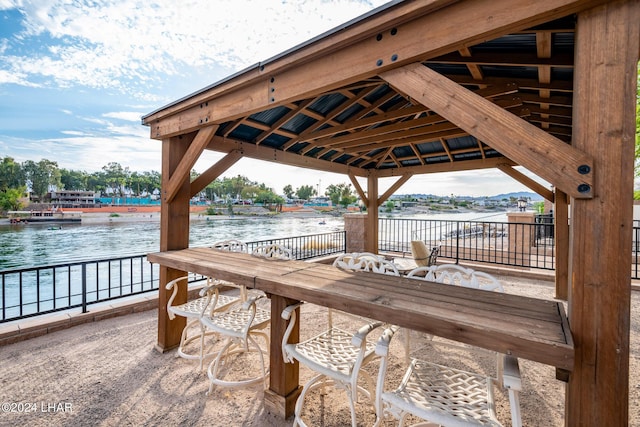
529, 328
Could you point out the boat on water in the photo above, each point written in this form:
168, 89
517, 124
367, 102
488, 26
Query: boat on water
47, 216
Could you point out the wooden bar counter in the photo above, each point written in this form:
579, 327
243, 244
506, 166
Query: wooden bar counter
529, 328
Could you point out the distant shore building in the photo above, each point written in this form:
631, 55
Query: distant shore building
71, 199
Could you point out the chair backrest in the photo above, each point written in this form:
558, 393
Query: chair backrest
273, 251
366, 261
231, 245
422, 255
452, 274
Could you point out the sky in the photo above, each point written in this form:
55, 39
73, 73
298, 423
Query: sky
76, 76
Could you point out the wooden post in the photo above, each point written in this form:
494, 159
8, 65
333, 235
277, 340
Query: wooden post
606, 52
371, 244
561, 239
280, 398
176, 236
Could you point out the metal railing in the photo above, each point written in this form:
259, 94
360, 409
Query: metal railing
518, 245
521, 245
33, 291
38, 290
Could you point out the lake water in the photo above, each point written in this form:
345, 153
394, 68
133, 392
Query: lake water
36, 245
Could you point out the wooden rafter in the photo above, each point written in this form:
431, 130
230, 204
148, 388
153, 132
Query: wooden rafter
515, 138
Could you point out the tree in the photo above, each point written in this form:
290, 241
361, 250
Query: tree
288, 191
41, 176
10, 199
73, 180
340, 194
11, 174
305, 192
116, 177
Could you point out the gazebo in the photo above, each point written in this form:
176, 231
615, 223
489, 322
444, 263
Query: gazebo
419, 87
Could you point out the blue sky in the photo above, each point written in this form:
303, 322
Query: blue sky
76, 78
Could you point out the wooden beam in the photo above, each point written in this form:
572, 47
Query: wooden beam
527, 182
606, 50
523, 142
444, 167
404, 178
189, 159
214, 171
359, 190
384, 41
260, 152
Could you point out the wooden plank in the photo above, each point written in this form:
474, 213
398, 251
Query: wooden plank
606, 49
187, 160
518, 140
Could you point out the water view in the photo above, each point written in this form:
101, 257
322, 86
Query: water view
36, 244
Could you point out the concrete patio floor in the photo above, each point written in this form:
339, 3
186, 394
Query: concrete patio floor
108, 373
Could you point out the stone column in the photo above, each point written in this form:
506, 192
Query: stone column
355, 226
521, 237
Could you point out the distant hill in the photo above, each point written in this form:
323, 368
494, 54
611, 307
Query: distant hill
534, 197
525, 194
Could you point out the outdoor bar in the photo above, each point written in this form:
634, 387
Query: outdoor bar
427, 87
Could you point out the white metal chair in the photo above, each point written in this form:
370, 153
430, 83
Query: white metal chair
337, 356
453, 274
440, 394
192, 310
445, 396
365, 261
240, 325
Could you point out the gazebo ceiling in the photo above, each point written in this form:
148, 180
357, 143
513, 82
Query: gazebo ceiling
369, 125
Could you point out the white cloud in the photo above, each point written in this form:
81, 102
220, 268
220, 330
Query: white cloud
131, 116
133, 43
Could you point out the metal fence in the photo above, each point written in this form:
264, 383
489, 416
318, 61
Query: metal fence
33, 291
518, 245
513, 244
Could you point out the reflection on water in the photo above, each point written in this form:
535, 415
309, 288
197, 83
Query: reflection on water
33, 245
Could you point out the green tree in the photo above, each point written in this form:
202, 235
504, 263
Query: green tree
288, 191
305, 192
41, 176
340, 194
116, 177
73, 180
11, 174
10, 199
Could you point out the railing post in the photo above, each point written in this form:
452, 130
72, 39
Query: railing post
457, 242
84, 288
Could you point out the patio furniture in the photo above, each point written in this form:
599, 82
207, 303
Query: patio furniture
423, 256
543, 334
365, 261
240, 325
443, 395
446, 396
193, 310
336, 355
453, 274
